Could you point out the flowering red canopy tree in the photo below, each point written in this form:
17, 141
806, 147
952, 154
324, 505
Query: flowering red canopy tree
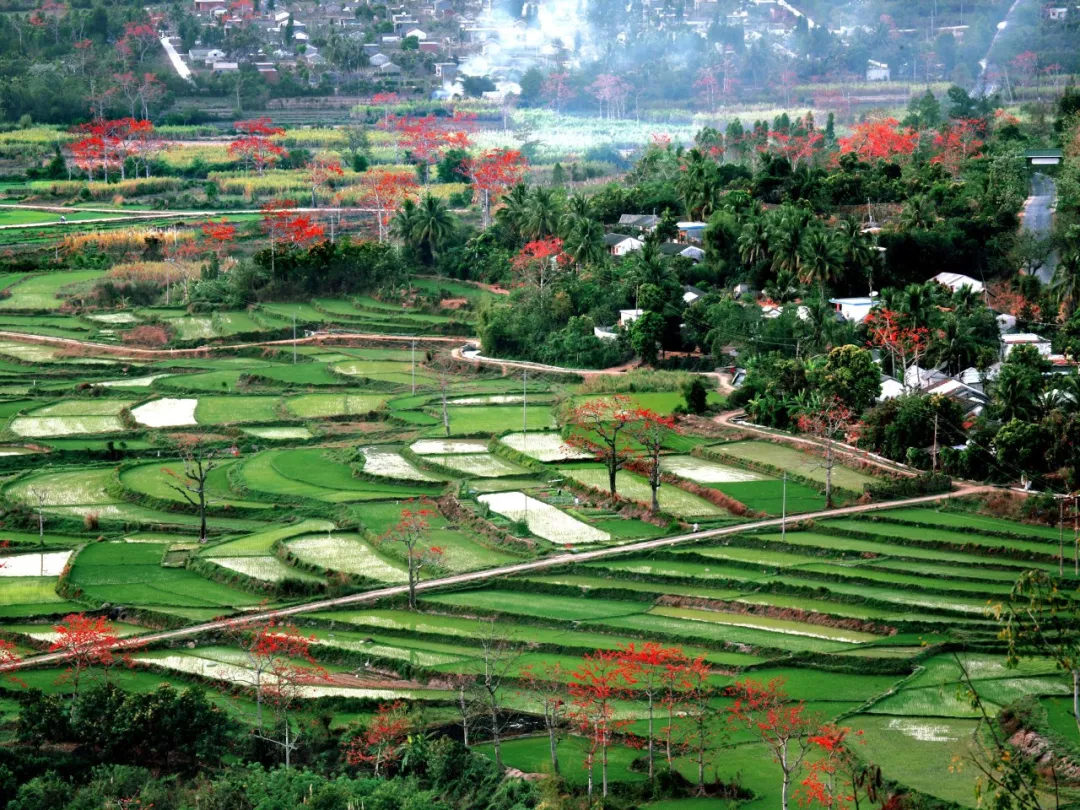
138, 40
645, 666
492, 173
410, 533
651, 430
379, 745
708, 85
282, 223
84, 642
796, 148
610, 92
958, 142
109, 143
321, 171
384, 192
538, 261
254, 148
837, 777
782, 725
594, 688
425, 138
387, 100
9, 659
882, 139
601, 426
50, 14
218, 235
886, 330
557, 90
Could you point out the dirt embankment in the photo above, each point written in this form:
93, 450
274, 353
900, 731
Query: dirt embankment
772, 612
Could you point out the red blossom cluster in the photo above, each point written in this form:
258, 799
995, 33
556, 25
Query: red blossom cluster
108, 144
883, 139
254, 148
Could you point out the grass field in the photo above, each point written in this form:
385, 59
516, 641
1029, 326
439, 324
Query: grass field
784, 457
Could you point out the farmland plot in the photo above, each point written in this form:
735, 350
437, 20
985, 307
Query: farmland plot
347, 553
168, 412
388, 463
482, 465
543, 519
788, 458
320, 406
440, 447
634, 487
41, 564
543, 446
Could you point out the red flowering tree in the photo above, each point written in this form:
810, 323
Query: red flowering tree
595, 686
386, 101
557, 90
651, 430
254, 148
282, 223
796, 148
383, 193
410, 533
218, 235
645, 667
882, 139
708, 86
829, 420
610, 92
9, 659
425, 138
887, 330
672, 698
603, 427
958, 142
84, 642
138, 40
492, 173
784, 726
321, 172
379, 745
837, 777
539, 261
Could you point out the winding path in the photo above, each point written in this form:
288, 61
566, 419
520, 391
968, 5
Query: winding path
366, 598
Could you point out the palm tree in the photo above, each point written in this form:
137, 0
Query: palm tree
404, 221
578, 207
433, 226
541, 215
786, 228
512, 213
783, 288
820, 259
856, 250
954, 345
1065, 283
753, 242
649, 266
584, 242
919, 213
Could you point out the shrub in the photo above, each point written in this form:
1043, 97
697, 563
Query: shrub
146, 335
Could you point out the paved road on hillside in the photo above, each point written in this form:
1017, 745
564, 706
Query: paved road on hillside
479, 577
1039, 217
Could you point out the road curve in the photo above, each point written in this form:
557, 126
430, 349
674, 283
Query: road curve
359, 599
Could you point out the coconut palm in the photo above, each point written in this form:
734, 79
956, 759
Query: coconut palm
542, 214
954, 346
404, 220
512, 213
919, 213
856, 249
433, 225
753, 242
820, 259
1065, 283
584, 242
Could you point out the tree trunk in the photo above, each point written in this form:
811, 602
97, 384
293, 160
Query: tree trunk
603, 768
612, 470
495, 741
1076, 696
651, 745
412, 586
202, 513
554, 748
828, 472
654, 480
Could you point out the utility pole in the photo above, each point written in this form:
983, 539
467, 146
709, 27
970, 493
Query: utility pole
1061, 537
935, 442
524, 412
294, 338
783, 512
414, 366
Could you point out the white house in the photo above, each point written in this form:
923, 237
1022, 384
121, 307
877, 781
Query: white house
378, 60
891, 388
957, 281
619, 244
917, 378
691, 294
854, 309
419, 33
604, 333
877, 71
628, 316
1010, 342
